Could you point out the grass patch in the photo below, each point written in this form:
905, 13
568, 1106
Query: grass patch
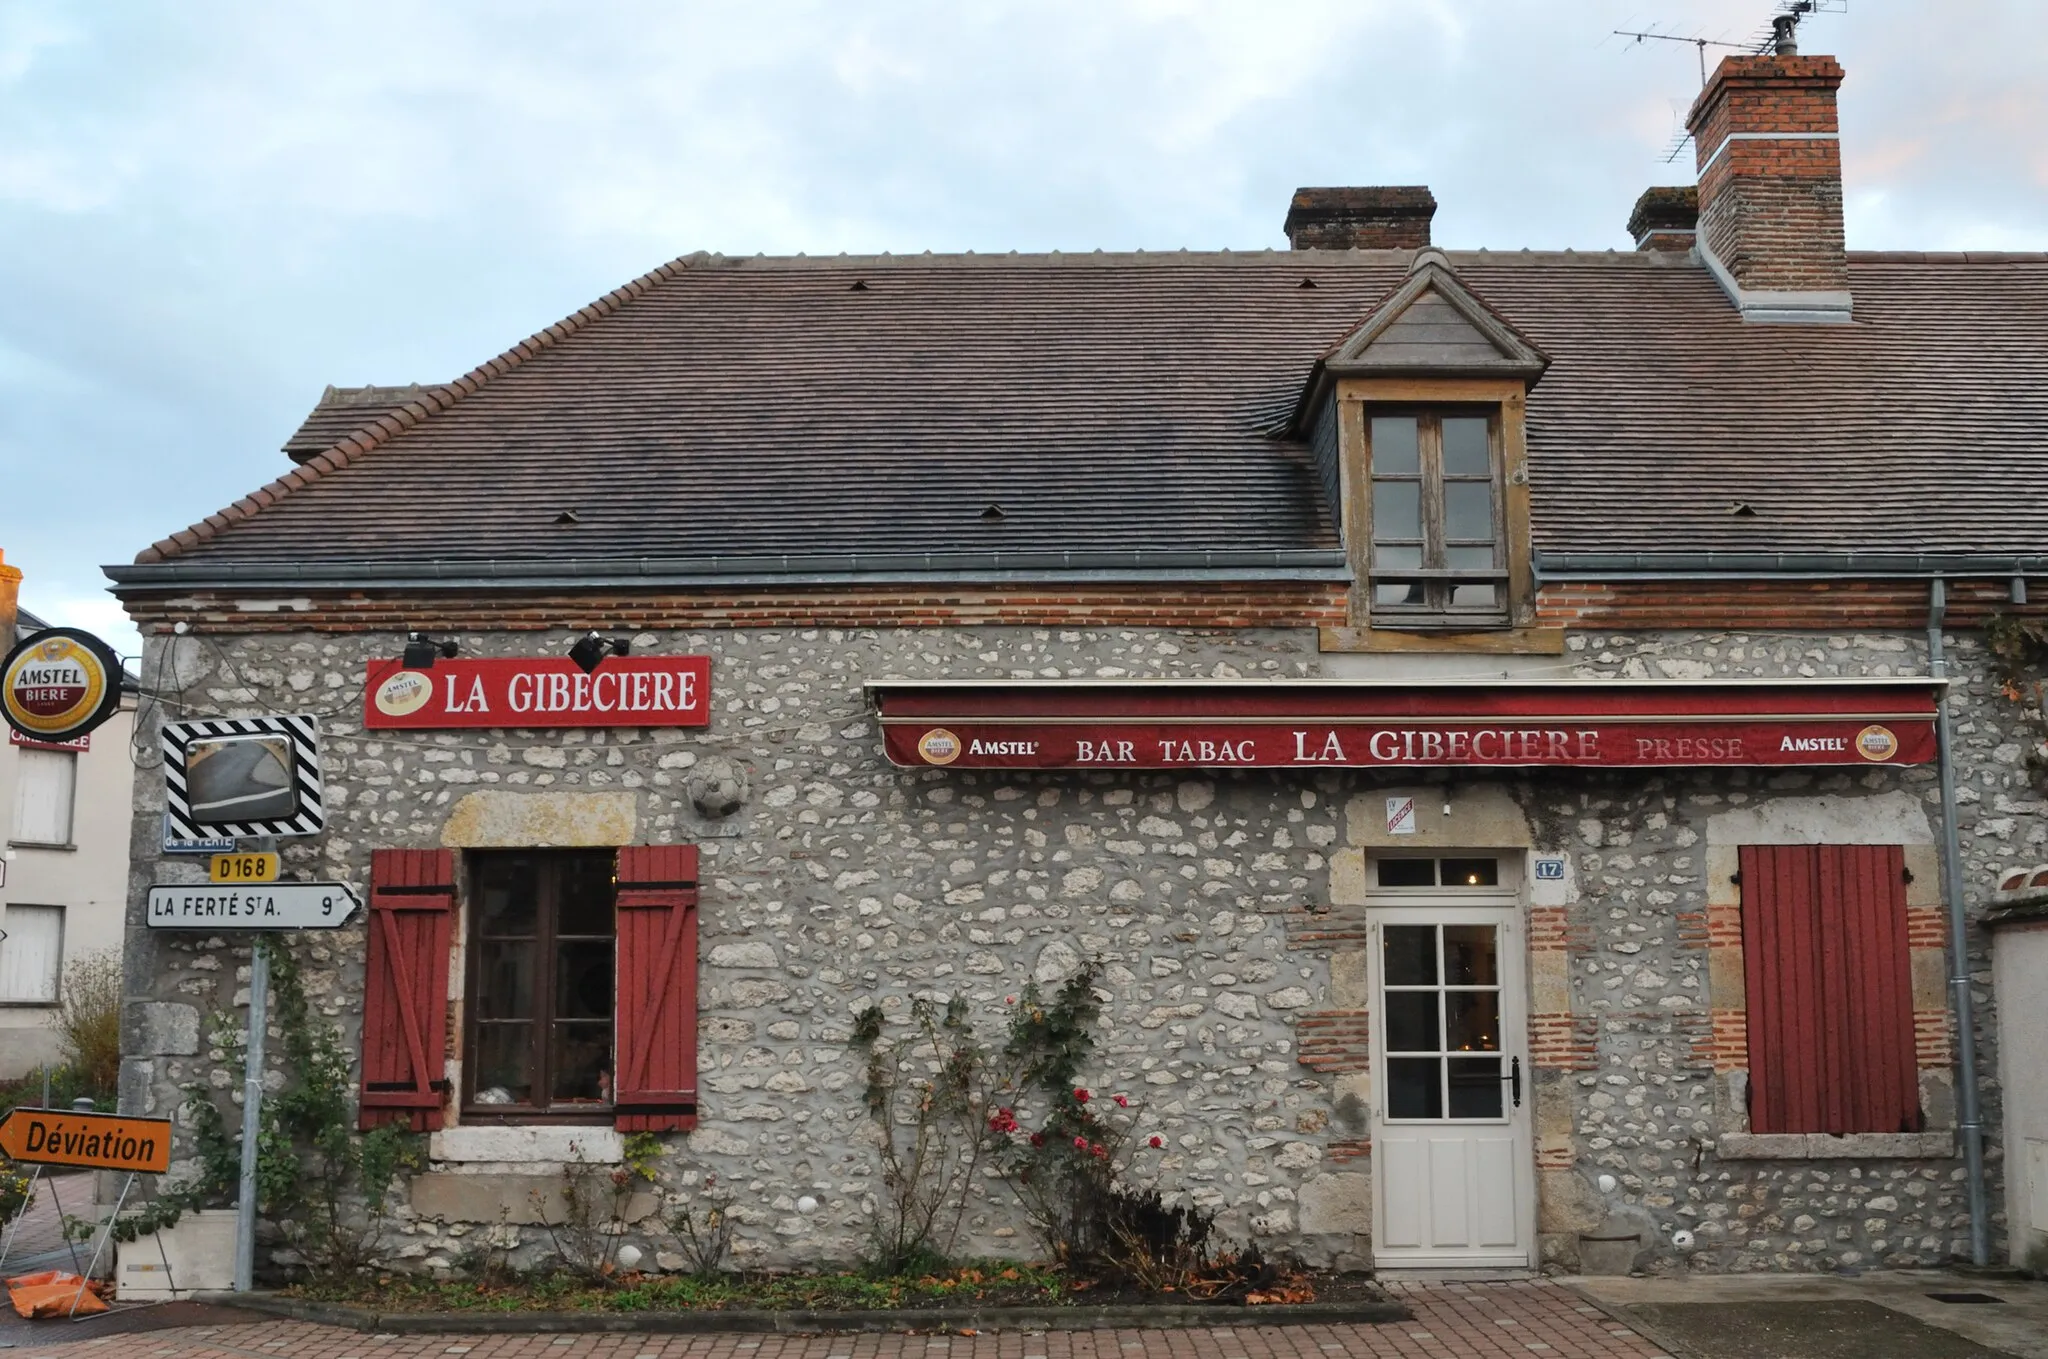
997, 1283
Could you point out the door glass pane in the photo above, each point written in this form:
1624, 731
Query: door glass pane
1415, 1087
1469, 558
1468, 509
1465, 452
504, 1063
581, 1060
1469, 955
1397, 510
1407, 873
583, 980
1475, 1087
505, 979
1472, 873
1484, 596
1394, 449
1473, 1019
1412, 1021
1410, 955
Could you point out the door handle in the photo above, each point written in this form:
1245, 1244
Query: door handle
1514, 1080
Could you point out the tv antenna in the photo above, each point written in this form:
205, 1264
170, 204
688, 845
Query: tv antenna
1779, 37
1701, 43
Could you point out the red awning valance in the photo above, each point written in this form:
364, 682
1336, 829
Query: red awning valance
1272, 724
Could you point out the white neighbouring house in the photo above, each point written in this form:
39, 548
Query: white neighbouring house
66, 815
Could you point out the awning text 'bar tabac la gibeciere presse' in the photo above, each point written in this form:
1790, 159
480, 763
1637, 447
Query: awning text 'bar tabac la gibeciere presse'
1279, 724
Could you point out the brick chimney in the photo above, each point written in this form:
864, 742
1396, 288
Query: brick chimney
1664, 218
10, 594
1386, 217
1770, 186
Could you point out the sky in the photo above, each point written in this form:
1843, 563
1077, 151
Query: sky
209, 211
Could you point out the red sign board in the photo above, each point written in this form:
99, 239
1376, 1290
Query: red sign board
1327, 724
539, 691
80, 743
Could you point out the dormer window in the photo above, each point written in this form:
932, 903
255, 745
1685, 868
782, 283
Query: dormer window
1438, 552
1418, 419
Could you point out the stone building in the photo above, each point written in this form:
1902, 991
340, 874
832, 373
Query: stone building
1484, 714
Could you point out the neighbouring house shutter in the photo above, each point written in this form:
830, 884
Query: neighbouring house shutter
655, 1089
32, 952
405, 990
1828, 978
45, 788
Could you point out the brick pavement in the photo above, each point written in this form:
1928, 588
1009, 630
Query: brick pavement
1504, 1320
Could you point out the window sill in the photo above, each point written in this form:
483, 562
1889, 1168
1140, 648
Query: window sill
41, 844
1494, 641
1827, 1147
527, 1144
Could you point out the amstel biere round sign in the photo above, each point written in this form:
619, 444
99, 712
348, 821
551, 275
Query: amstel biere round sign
59, 684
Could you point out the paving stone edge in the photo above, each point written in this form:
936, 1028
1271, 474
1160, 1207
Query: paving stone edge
1139, 1316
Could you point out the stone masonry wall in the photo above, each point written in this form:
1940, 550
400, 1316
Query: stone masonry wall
1235, 1016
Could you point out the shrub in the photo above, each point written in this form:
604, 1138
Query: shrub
88, 1020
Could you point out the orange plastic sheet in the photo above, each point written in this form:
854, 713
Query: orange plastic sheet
53, 1293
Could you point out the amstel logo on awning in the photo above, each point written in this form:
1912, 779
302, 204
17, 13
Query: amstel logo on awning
59, 684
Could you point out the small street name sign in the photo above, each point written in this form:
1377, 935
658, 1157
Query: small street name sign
253, 906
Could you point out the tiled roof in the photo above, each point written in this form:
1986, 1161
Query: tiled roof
741, 408
343, 411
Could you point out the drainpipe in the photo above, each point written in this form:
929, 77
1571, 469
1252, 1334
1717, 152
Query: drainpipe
1971, 1120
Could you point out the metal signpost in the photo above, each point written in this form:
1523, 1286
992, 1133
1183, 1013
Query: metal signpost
266, 907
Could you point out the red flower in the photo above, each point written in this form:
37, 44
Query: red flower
1081, 1142
1038, 1139
1156, 1142
1123, 1101
1099, 1151
1080, 1096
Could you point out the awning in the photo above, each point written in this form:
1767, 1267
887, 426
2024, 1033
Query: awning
1278, 724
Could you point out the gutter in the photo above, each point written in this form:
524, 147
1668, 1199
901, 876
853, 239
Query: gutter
578, 573
1970, 1120
1678, 566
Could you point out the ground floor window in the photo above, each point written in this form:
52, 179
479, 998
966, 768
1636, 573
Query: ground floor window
542, 995
31, 952
1827, 980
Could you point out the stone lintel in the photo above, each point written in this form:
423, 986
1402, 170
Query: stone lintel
1827, 1147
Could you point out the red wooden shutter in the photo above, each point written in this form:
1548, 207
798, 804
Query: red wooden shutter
656, 1085
405, 989
1828, 977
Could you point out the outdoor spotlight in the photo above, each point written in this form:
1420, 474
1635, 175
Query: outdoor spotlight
591, 649
420, 651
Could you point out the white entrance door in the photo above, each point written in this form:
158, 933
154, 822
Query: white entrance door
1452, 1165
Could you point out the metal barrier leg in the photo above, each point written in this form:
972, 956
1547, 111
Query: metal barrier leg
14, 1228
69, 1244
106, 1235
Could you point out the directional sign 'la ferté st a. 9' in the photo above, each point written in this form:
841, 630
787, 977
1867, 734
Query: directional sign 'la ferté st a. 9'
250, 906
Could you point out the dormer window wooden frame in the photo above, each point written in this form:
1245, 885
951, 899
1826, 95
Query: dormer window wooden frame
1437, 555
1442, 562
1442, 616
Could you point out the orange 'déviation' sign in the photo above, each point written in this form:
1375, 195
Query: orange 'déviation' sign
56, 1137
